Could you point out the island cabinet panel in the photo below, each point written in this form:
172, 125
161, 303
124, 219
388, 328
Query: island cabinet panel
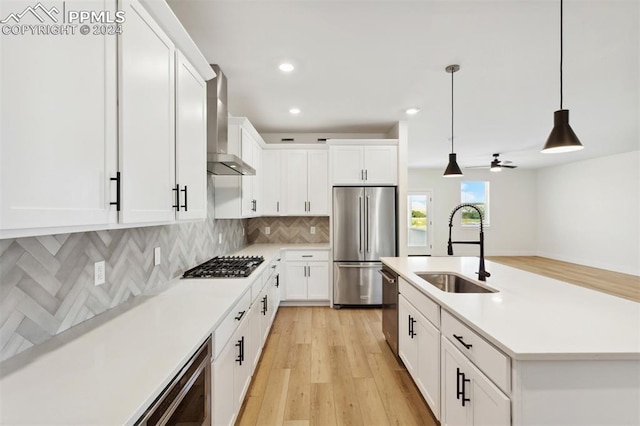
419, 349
468, 396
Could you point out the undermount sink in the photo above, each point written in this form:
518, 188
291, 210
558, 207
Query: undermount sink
452, 283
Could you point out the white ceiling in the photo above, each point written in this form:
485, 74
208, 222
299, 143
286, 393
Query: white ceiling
360, 64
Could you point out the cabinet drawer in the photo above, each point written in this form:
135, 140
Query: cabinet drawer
495, 364
307, 255
426, 306
228, 325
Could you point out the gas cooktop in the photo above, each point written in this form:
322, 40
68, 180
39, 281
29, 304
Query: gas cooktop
225, 267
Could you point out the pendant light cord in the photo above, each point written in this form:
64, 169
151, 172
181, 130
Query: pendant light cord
561, 51
453, 72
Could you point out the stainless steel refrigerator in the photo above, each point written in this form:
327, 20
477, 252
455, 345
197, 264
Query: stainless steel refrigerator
364, 230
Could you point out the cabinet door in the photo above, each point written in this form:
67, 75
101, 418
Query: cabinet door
191, 141
296, 276
453, 413
57, 126
318, 281
265, 313
222, 398
428, 363
271, 200
296, 172
381, 165
147, 137
407, 341
256, 187
243, 364
255, 346
276, 288
485, 404
248, 145
318, 182
347, 166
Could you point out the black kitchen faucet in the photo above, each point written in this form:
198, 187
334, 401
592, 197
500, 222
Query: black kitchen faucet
482, 273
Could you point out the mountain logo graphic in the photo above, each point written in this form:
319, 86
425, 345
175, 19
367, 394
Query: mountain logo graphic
34, 11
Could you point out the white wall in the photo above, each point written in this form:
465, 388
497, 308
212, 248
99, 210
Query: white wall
588, 212
513, 228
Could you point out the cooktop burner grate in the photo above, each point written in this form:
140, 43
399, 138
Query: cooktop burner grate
225, 267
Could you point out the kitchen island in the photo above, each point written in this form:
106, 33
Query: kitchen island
556, 353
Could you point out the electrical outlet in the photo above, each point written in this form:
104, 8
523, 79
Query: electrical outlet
313, 230
219, 237
267, 230
243, 231
157, 258
99, 275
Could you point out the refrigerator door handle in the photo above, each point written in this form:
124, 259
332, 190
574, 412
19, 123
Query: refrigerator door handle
360, 224
366, 213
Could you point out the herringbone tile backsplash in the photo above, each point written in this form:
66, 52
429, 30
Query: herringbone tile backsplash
46, 283
295, 230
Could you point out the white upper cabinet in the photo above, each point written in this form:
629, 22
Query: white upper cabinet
239, 197
307, 185
191, 142
57, 127
147, 117
272, 201
353, 164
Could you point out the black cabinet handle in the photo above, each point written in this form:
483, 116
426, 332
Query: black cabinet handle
366, 174
264, 305
117, 202
177, 192
459, 339
277, 280
240, 315
458, 393
413, 331
461, 390
185, 198
242, 349
239, 345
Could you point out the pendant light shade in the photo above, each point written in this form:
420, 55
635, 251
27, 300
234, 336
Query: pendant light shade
562, 137
453, 170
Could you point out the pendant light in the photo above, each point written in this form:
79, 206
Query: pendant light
453, 170
562, 137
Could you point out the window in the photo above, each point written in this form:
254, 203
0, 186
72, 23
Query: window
419, 222
476, 193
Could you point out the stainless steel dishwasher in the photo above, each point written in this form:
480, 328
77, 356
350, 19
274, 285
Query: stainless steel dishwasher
390, 307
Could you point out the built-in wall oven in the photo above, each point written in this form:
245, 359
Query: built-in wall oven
187, 399
390, 307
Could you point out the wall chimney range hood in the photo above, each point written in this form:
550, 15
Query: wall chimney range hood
219, 161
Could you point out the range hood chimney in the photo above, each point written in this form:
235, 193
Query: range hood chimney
219, 161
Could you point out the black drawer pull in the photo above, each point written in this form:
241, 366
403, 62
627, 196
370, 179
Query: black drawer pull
240, 315
459, 339
185, 198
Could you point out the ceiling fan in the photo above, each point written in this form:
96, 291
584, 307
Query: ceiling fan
496, 165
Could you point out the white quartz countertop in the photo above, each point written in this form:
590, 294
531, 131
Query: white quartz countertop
108, 370
532, 317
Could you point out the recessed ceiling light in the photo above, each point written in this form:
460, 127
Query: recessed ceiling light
294, 111
412, 111
286, 67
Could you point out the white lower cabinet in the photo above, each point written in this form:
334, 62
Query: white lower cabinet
231, 376
306, 275
468, 396
419, 349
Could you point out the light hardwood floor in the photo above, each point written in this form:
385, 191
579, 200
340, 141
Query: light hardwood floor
322, 366
614, 283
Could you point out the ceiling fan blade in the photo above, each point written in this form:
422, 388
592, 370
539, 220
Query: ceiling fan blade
509, 167
476, 167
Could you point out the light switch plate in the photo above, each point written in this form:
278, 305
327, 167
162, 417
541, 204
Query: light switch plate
219, 237
99, 274
157, 258
313, 230
267, 230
